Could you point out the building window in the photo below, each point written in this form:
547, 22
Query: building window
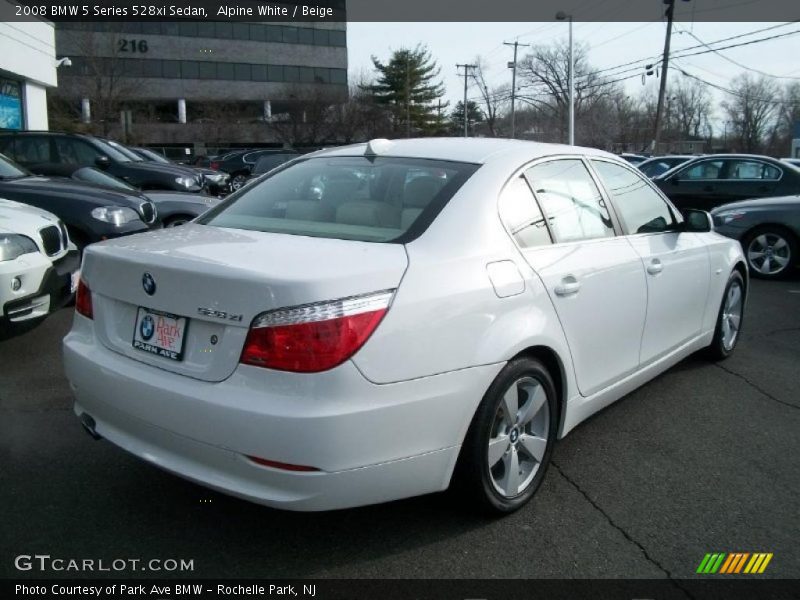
205, 29
188, 29
291, 74
258, 33
339, 76
306, 36
189, 69
241, 72
241, 31
224, 71
321, 37
290, 35
10, 104
338, 38
322, 75
207, 70
274, 33
258, 72
171, 69
224, 30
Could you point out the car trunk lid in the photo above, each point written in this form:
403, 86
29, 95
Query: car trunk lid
219, 280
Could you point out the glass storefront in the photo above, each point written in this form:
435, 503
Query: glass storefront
10, 104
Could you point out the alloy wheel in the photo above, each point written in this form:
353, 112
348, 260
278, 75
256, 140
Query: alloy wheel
768, 253
518, 437
732, 315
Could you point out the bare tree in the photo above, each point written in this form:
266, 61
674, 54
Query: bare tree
752, 111
544, 74
493, 101
690, 109
310, 119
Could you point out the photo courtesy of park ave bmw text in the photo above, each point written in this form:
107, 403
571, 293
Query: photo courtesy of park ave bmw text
422, 300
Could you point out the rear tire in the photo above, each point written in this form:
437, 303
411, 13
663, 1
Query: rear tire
510, 440
729, 319
771, 252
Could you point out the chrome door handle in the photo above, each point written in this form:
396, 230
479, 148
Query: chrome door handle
567, 287
655, 267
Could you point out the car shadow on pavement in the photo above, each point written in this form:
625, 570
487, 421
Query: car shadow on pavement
12, 330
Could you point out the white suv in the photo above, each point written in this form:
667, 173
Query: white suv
39, 266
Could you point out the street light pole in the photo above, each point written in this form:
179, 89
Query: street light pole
562, 16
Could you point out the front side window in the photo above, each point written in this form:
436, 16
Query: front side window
521, 215
705, 169
640, 207
356, 198
570, 200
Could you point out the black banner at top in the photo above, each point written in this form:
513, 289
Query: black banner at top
397, 10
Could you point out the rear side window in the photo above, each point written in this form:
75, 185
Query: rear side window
570, 200
752, 169
640, 207
375, 199
521, 215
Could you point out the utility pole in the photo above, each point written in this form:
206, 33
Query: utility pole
662, 90
513, 67
466, 77
562, 16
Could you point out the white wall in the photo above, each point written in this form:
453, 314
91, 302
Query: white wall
35, 98
27, 53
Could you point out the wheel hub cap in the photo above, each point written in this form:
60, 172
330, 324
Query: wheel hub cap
518, 437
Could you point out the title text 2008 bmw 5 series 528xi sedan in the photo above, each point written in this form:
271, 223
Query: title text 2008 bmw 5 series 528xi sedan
375, 321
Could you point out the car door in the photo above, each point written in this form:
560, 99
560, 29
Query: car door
696, 185
594, 279
676, 262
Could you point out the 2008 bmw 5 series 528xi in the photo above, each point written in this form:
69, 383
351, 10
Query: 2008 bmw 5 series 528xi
375, 321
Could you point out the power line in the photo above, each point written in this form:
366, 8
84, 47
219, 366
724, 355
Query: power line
738, 64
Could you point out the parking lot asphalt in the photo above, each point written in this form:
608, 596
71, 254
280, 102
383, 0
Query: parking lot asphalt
702, 459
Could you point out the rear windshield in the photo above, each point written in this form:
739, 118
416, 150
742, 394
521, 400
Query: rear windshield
371, 199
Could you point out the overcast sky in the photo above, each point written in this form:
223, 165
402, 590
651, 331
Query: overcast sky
611, 44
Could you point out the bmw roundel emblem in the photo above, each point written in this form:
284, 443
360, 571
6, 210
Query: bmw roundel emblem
147, 328
149, 284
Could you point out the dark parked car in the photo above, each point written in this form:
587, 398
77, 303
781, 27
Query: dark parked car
173, 208
58, 154
91, 214
633, 159
658, 165
795, 162
709, 181
215, 182
239, 164
769, 231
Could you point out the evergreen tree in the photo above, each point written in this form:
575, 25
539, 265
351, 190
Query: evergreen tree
406, 85
474, 115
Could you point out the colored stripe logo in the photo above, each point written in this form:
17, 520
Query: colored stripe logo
732, 563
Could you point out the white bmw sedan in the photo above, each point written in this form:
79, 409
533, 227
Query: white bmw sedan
377, 321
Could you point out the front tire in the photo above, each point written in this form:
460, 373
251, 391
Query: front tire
729, 319
771, 252
237, 181
510, 440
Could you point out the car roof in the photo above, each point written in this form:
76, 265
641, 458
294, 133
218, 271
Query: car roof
468, 150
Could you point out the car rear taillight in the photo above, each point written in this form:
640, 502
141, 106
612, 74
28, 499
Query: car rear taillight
83, 300
314, 337
213, 165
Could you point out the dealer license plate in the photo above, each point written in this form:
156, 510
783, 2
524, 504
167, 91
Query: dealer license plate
159, 333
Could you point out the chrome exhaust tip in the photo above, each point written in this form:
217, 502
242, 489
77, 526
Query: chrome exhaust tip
88, 424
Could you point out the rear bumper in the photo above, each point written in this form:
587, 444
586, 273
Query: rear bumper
46, 287
370, 443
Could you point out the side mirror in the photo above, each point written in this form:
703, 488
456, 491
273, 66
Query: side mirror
102, 162
697, 221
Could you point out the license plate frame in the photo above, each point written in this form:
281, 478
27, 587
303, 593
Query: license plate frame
164, 336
